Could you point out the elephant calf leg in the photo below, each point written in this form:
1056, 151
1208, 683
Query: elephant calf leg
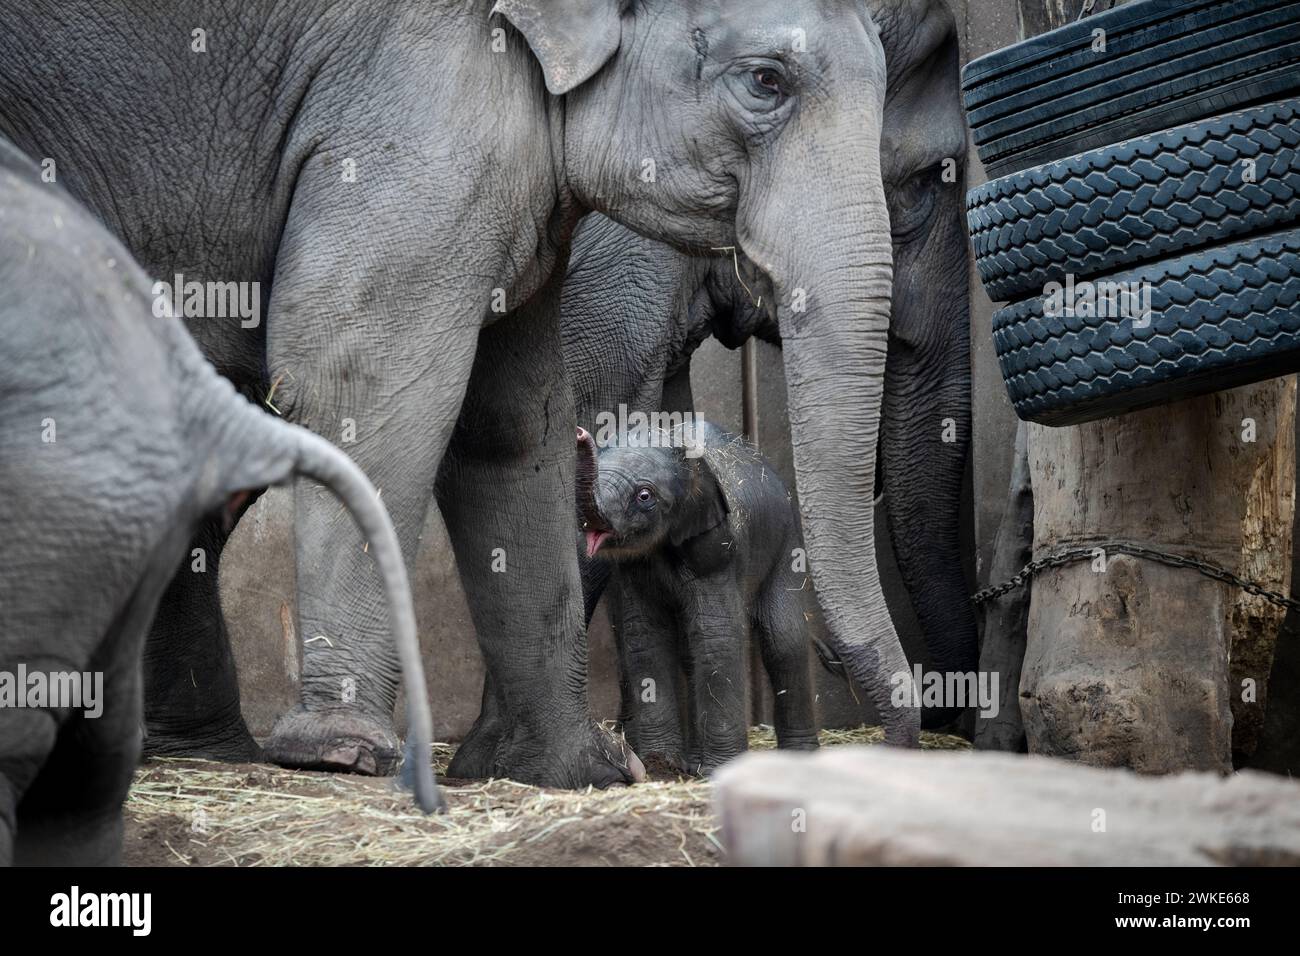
26, 739
71, 814
716, 676
782, 635
648, 670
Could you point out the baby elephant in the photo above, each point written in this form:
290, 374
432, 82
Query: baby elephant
705, 545
116, 438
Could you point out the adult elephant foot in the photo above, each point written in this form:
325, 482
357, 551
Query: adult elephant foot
228, 742
581, 756
191, 694
342, 742
475, 758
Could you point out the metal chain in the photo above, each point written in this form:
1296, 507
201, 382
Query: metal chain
1071, 555
1089, 6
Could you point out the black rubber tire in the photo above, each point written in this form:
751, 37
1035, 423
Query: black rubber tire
1222, 316
1165, 64
1143, 199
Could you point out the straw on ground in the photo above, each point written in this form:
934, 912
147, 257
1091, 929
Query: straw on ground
201, 813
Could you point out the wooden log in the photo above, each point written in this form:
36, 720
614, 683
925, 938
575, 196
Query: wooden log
879, 806
1143, 665
1133, 663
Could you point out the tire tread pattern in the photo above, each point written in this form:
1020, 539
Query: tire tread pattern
1138, 200
1221, 316
1052, 97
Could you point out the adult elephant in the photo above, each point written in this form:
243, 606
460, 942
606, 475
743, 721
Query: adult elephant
403, 180
634, 311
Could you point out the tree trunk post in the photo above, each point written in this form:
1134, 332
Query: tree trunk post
1133, 663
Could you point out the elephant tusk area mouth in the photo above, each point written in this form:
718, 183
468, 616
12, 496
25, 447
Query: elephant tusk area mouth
595, 539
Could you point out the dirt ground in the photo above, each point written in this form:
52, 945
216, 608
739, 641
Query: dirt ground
198, 813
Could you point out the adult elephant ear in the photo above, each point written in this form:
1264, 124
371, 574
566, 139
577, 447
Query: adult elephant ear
572, 39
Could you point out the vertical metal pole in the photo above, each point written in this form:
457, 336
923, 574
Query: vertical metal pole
749, 390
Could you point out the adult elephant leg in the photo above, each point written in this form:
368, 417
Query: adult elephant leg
373, 352
924, 444
191, 695
1006, 618
507, 489
400, 427
71, 815
595, 576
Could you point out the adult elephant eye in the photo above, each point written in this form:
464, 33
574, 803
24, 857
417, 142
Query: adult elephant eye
911, 203
768, 83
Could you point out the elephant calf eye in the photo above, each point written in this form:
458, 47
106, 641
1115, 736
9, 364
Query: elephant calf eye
644, 495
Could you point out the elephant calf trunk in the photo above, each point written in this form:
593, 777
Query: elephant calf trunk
585, 481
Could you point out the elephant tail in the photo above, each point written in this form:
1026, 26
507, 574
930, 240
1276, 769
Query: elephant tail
321, 461
248, 448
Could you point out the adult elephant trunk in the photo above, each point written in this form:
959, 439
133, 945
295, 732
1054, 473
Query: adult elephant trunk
927, 428
926, 434
250, 449
814, 219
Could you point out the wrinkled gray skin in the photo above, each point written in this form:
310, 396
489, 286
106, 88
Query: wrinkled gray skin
472, 168
634, 311
701, 542
116, 438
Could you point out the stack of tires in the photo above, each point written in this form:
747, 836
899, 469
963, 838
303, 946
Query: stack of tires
1143, 214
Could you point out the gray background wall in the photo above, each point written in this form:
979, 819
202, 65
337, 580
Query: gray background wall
257, 576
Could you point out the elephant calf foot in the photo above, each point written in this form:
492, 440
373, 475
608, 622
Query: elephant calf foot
799, 734
664, 755
584, 756
661, 765
340, 742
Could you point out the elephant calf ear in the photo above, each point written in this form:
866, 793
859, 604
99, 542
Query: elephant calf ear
572, 39
706, 509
